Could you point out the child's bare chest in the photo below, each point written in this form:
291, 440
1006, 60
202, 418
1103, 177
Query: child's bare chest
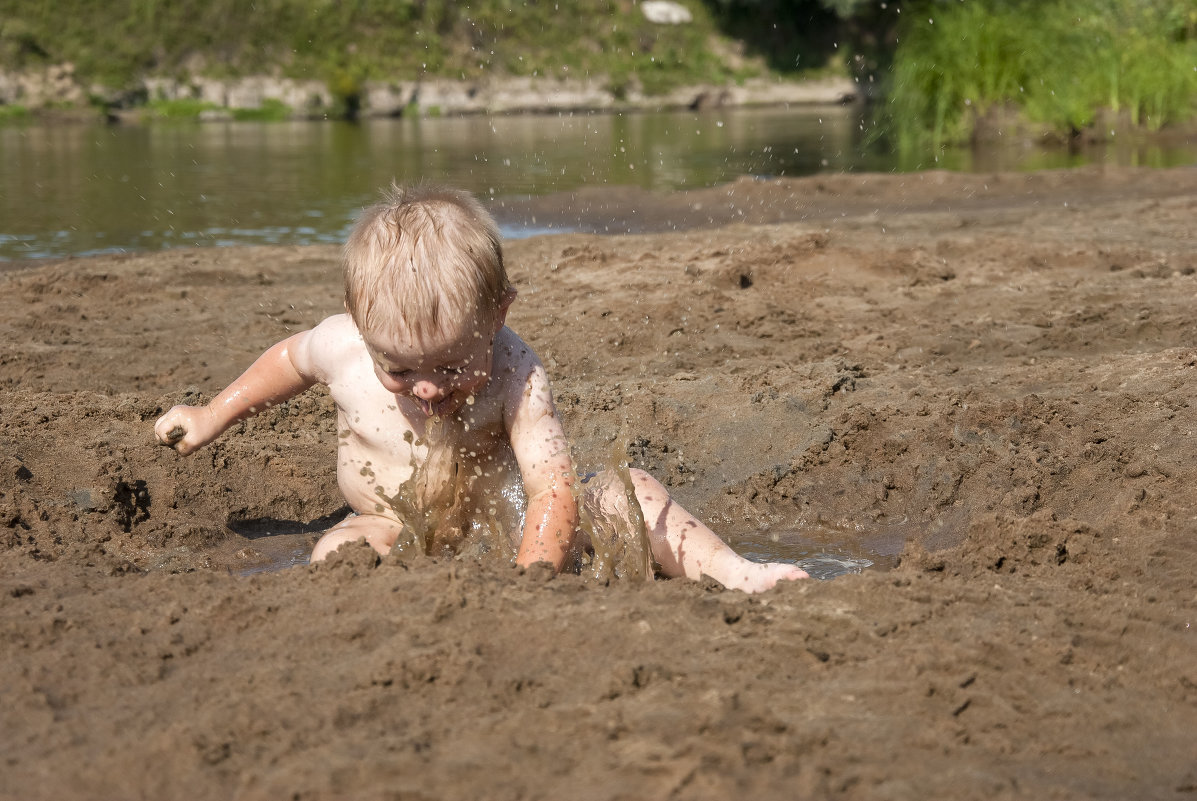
384, 443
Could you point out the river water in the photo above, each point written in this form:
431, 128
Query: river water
88, 189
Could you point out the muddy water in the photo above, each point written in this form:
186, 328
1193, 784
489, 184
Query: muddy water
821, 553
450, 509
825, 552
76, 190
616, 544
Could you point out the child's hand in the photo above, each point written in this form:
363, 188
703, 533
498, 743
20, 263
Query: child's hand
187, 428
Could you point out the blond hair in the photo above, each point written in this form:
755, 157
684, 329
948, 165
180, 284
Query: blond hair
423, 261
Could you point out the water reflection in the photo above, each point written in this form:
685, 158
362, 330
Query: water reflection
90, 189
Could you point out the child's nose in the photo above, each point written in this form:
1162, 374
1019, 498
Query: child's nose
425, 390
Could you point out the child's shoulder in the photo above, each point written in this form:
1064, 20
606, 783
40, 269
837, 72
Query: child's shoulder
517, 367
330, 346
336, 335
512, 353
339, 327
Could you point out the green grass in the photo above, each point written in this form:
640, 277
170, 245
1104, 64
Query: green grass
12, 112
271, 110
183, 109
1061, 63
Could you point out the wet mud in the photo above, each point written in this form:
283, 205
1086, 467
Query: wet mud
979, 384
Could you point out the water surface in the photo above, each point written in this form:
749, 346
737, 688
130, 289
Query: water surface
88, 189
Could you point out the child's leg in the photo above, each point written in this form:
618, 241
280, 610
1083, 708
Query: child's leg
381, 532
683, 546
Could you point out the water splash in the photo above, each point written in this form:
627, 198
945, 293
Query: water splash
451, 507
611, 524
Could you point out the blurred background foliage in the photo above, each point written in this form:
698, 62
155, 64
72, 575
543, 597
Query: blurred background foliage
347, 41
1059, 66
940, 68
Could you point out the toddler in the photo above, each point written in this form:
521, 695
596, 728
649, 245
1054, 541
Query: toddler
433, 389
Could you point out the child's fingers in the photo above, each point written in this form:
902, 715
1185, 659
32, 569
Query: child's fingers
170, 430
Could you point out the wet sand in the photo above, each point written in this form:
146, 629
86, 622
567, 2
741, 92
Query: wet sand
984, 379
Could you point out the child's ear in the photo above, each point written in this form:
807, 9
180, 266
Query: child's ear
504, 305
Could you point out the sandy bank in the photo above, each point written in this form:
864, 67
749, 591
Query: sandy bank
995, 369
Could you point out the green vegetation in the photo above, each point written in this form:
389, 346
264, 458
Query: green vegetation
271, 110
12, 112
183, 109
1058, 66
792, 35
187, 109
346, 43
1062, 64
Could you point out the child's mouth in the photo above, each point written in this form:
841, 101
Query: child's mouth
439, 408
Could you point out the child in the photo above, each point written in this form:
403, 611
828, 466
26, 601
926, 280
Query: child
430, 384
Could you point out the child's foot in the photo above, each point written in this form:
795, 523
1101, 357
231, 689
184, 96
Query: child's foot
760, 576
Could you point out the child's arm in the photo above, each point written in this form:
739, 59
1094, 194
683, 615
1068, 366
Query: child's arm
272, 379
538, 441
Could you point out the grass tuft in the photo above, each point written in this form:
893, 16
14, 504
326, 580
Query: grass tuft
271, 110
13, 112
1063, 64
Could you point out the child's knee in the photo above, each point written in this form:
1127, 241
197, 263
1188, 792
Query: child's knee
380, 535
327, 544
640, 477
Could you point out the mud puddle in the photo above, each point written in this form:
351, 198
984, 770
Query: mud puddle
823, 551
265, 545
822, 557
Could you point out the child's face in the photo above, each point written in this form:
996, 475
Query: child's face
440, 375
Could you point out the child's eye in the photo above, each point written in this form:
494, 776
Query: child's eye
399, 374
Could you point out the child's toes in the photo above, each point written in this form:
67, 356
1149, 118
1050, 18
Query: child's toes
798, 573
785, 572
767, 575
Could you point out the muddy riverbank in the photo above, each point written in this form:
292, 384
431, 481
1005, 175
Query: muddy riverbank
996, 370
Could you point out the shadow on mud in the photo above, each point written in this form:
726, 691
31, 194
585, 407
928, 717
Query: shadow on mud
266, 543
